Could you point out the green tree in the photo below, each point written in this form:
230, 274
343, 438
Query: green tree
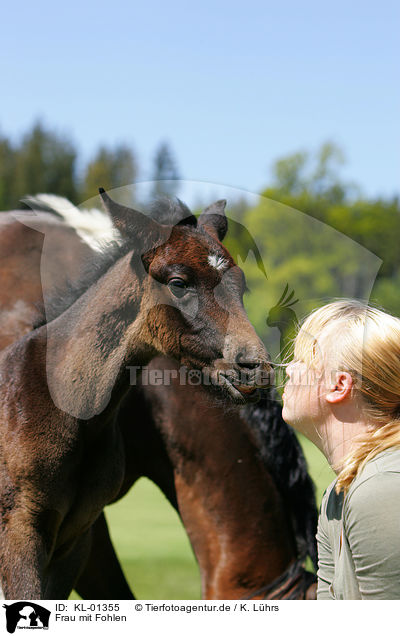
165, 172
312, 184
7, 169
311, 181
110, 168
44, 162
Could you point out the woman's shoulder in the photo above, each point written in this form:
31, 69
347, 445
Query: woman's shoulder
387, 462
378, 482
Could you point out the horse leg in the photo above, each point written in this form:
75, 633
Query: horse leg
64, 569
102, 577
22, 558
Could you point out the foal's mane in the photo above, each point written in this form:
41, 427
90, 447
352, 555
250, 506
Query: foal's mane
163, 210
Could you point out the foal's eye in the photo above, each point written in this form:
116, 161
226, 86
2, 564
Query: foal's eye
178, 287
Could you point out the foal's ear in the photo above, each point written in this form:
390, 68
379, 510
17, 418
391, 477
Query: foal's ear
213, 219
133, 224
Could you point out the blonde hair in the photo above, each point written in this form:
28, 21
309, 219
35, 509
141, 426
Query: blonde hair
365, 342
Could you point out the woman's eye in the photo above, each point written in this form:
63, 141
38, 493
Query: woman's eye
178, 287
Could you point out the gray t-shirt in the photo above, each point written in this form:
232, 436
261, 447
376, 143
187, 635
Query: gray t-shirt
359, 534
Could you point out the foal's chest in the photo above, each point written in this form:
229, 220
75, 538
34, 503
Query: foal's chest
100, 476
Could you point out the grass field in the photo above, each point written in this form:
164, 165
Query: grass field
151, 542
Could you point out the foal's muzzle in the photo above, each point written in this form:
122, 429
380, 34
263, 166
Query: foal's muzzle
243, 380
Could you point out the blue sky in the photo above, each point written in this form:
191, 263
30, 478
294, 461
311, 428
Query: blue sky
232, 86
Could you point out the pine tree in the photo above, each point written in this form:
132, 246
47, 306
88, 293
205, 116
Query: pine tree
165, 174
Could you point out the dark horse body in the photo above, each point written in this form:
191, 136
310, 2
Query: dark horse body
237, 519
226, 472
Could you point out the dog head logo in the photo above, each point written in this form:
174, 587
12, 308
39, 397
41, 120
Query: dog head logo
26, 615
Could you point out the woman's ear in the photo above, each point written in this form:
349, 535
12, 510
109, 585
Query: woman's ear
340, 387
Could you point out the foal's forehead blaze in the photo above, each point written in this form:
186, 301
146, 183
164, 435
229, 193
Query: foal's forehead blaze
218, 262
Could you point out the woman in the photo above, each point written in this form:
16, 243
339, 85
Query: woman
343, 393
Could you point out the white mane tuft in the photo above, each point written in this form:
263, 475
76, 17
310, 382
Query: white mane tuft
93, 226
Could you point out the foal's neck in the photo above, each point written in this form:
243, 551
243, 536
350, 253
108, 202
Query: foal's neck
90, 345
230, 506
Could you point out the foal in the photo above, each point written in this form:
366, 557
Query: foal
174, 291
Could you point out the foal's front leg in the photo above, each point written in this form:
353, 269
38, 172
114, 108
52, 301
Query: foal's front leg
102, 577
22, 557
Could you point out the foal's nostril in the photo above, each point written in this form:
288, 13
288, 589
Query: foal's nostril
248, 364
251, 360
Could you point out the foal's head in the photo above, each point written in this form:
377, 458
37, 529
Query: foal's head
192, 297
